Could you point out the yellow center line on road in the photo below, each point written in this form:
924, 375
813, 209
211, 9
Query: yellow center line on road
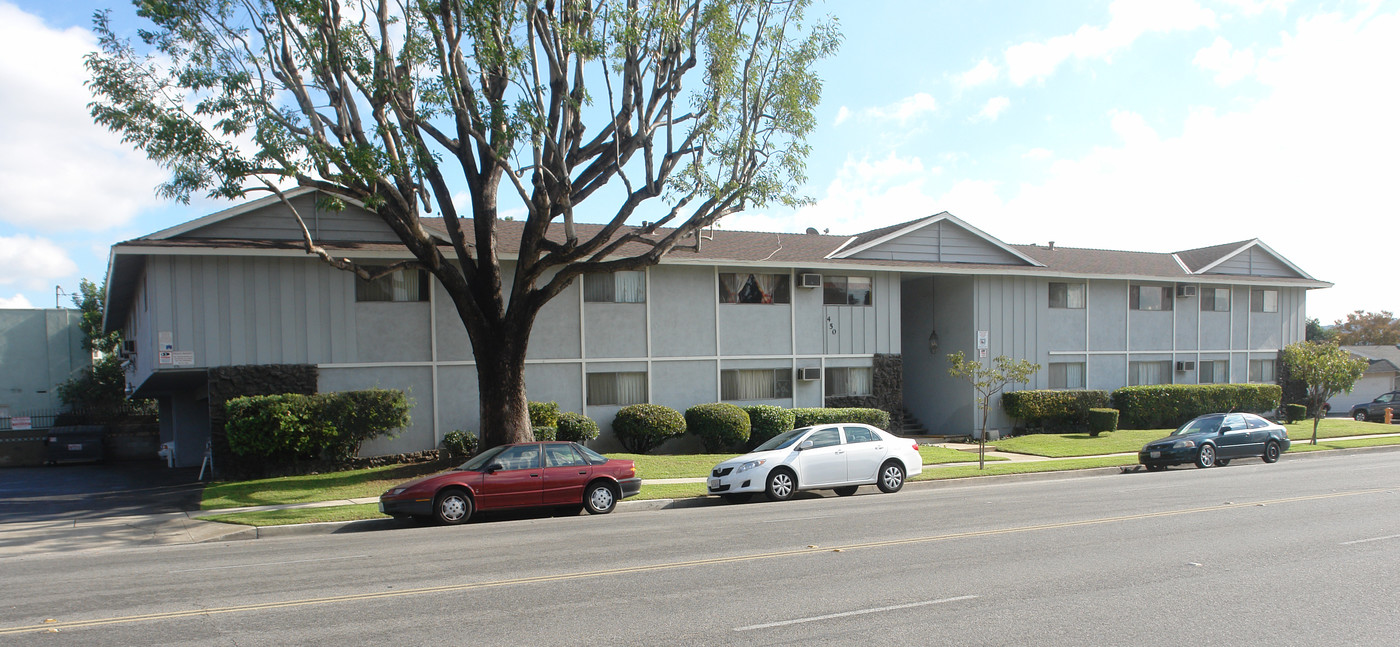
356, 597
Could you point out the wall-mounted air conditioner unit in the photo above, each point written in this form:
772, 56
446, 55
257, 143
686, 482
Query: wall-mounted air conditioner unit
810, 280
1185, 366
1184, 290
811, 373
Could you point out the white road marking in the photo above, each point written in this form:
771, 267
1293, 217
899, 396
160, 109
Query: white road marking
830, 616
820, 516
295, 561
1362, 541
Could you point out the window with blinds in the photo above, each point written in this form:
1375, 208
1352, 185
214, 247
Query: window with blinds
615, 287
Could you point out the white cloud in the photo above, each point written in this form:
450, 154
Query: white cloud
1256, 7
866, 194
1038, 154
33, 263
905, 110
1229, 64
59, 171
1129, 20
982, 73
17, 302
993, 109
842, 114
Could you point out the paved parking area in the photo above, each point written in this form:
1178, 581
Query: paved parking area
29, 494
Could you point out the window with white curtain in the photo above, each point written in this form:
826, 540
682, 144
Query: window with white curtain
1067, 295
755, 384
1149, 372
1213, 371
754, 288
615, 287
1215, 299
400, 285
617, 388
1066, 375
1150, 297
1261, 371
852, 380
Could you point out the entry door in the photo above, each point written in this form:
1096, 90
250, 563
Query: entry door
824, 463
518, 483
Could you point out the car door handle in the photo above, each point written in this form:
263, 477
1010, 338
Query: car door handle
534, 476
840, 451
583, 471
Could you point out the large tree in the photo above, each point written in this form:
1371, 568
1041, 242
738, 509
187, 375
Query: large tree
676, 111
1363, 328
1326, 370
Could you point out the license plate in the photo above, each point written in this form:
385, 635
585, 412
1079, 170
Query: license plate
1155, 454
714, 483
75, 447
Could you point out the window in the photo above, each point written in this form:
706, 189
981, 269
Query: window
1255, 422
400, 285
1261, 300
1215, 299
754, 288
755, 384
617, 388
859, 435
1261, 371
846, 290
825, 438
562, 456
1149, 373
1149, 297
615, 287
520, 457
1067, 295
848, 381
1213, 371
1067, 375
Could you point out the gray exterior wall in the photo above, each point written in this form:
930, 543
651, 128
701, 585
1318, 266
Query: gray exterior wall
39, 350
941, 242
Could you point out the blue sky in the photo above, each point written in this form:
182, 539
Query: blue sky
1153, 125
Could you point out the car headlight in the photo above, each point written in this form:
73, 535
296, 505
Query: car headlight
750, 465
1182, 444
395, 492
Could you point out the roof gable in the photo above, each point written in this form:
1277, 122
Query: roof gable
269, 219
940, 238
1249, 258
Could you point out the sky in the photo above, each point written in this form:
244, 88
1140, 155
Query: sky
1144, 125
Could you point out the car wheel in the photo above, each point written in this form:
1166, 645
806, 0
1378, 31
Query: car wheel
1206, 457
1359, 416
1155, 468
846, 491
891, 477
1271, 452
452, 507
600, 498
735, 498
781, 485
1222, 462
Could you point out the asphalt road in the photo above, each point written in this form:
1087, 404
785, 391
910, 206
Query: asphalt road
1303, 552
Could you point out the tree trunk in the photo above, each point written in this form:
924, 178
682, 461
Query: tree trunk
500, 377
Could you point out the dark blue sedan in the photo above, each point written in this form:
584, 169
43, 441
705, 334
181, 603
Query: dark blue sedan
1216, 439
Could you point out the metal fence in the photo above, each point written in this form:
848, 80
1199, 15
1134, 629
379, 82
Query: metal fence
47, 418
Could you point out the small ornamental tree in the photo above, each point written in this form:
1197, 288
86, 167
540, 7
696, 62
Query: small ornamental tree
988, 381
1326, 369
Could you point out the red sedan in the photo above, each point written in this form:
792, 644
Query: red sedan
523, 475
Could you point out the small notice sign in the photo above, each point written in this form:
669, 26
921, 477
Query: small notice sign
166, 358
20, 423
182, 357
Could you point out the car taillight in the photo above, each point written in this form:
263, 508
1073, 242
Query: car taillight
916, 446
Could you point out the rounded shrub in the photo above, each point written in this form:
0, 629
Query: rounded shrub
767, 421
720, 425
545, 433
543, 414
576, 427
1101, 420
459, 444
1295, 412
643, 427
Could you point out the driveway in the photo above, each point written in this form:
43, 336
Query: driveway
103, 490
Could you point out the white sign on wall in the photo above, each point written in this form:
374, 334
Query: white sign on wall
165, 340
166, 358
182, 357
982, 339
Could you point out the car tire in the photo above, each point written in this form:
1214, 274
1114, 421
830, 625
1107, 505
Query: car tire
1271, 452
736, 498
846, 490
1222, 462
1206, 457
1155, 468
451, 507
782, 483
891, 477
1359, 416
600, 498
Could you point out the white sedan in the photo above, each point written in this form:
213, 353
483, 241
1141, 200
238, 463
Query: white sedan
840, 457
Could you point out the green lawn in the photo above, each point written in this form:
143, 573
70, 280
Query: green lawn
1335, 427
353, 484
963, 471
1066, 445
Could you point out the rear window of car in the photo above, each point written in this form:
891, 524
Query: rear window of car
591, 456
859, 435
1255, 422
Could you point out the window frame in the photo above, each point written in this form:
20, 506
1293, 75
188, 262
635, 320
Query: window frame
1261, 302
781, 292
589, 396
598, 277
1214, 300
1134, 372
1060, 370
1135, 297
1257, 376
830, 290
1066, 292
829, 379
779, 392
362, 286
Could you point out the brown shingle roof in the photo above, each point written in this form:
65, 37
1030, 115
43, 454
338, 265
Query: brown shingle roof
1195, 259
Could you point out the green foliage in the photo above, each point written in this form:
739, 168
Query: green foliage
767, 421
1053, 411
987, 381
1101, 420
576, 427
103, 386
545, 433
544, 414
825, 416
1363, 328
1166, 406
460, 444
293, 427
1326, 369
643, 427
720, 425
1295, 412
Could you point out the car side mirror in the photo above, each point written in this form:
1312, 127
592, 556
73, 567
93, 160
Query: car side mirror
494, 467
806, 444
1225, 429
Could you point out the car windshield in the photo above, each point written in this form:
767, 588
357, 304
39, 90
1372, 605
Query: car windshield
781, 441
1205, 424
480, 461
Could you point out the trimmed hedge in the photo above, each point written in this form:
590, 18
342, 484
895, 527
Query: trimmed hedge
291, 427
576, 427
643, 427
545, 433
1052, 411
720, 425
1165, 406
543, 414
1101, 420
1295, 412
459, 444
767, 421
826, 416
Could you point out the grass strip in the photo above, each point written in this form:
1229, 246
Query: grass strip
964, 471
309, 488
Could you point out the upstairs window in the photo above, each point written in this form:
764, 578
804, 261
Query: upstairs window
615, 287
400, 285
1067, 375
848, 381
1215, 299
754, 288
1263, 300
1150, 297
846, 290
755, 384
1067, 295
